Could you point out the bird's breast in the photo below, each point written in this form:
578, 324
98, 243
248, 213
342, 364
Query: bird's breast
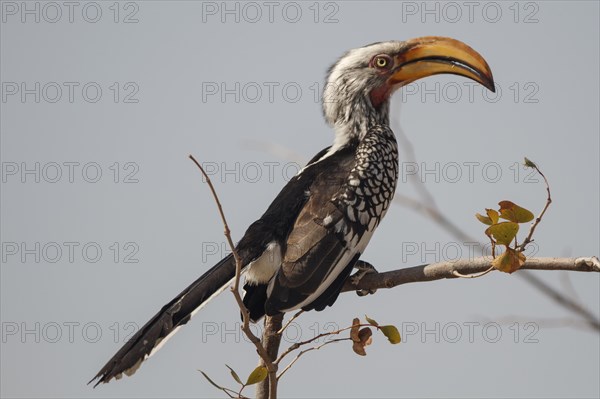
371, 183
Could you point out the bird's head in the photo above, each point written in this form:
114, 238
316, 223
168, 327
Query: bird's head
360, 83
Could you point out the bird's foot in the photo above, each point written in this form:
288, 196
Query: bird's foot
363, 268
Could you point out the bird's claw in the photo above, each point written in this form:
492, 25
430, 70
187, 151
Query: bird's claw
363, 268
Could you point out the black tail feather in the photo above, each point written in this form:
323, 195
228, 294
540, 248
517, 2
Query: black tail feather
174, 314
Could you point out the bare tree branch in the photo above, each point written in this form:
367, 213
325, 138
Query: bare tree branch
446, 270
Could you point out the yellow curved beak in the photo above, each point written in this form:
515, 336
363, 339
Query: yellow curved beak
432, 55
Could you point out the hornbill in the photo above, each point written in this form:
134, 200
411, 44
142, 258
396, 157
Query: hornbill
303, 248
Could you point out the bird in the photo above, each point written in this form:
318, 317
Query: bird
300, 252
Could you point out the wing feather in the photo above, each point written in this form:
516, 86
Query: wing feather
317, 253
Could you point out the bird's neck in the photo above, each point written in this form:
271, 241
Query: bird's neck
352, 120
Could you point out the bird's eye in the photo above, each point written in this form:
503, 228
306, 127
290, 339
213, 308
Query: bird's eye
382, 62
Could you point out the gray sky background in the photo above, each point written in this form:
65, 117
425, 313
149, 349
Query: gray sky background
162, 77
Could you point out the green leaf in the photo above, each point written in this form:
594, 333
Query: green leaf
510, 261
493, 215
257, 375
211, 381
235, 376
392, 334
483, 219
514, 213
529, 163
371, 321
503, 232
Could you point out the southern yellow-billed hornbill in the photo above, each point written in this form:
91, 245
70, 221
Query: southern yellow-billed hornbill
300, 252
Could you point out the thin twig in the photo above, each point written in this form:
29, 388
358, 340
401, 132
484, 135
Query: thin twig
294, 317
228, 394
476, 275
227, 232
432, 211
529, 239
224, 389
271, 368
238, 395
572, 304
308, 350
297, 345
